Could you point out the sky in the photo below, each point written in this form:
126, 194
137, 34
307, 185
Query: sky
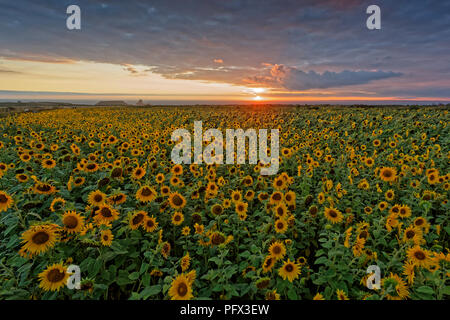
216, 51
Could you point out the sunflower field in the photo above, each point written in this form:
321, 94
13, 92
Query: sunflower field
96, 188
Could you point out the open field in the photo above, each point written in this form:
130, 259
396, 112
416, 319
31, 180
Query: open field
95, 187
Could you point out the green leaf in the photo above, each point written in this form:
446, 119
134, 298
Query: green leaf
150, 291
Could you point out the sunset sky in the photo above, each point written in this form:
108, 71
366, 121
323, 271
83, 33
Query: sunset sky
219, 51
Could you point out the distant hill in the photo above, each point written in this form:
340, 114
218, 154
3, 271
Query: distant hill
111, 103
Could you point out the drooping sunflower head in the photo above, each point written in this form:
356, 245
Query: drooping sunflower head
394, 287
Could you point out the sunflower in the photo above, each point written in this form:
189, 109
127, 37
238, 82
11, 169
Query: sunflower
333, 215
394, 287
388, 174
280, 210
318, 296
105, 214
177, 218
268, 264
44, 188
277, 250
106, 237
185, 262
138, 173
186, 231
150, 224
272, 295
404, 211
389, 195
177, 170
5, 201
241, 208
165, 249
289, 197
73, 222
146, 194
39, 239
117, 199
236, 196
137, 219
341, 295
54, 277
289, 270
79, 181
217, 209
279, 183
96, 198
276, 197
412, 234
48, 163
281, 226
181, 288
176, 200
22, 177
419, 257
382, 205
421, 222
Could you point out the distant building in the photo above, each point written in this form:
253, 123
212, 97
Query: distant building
140, 103
111, 103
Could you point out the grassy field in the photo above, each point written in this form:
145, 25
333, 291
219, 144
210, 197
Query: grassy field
96, 188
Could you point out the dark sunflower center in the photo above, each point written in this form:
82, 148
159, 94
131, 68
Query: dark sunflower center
277, 196
177, 200
289, 268
138, 218
419, 255
332, 214
182, 289
419, 222
41, 237
277, 250
387, 173
280, 225
90, 166
55, 275
3, 198
44, 187
150, 223
71, 222
98, 198
106, 212
410, 234
146, 192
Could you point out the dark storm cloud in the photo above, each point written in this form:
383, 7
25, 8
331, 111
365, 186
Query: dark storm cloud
322, 43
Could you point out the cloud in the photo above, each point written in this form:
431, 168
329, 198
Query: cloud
293, 79
317, 39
